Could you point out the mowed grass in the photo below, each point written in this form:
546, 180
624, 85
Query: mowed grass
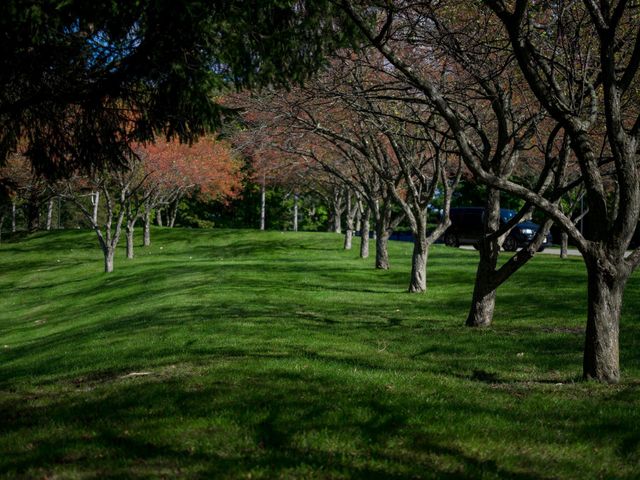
242, 354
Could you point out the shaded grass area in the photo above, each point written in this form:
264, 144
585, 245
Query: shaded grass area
241, 354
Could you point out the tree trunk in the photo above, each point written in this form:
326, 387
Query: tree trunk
601, 352
173, 214
146, 238
13, 217
2, 217
129, 235
337, 222
109, 254
350, 217
295, 212
158, 217
348, 238
564, 245
364, 233
49, 213
33, 215
484, 294
95, 200
483, 301
382, 244
418, 282
263, 204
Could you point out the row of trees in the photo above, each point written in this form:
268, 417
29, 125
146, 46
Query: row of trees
537, 99
576, 64
113, 201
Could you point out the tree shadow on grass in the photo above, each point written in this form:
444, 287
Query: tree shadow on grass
231, 423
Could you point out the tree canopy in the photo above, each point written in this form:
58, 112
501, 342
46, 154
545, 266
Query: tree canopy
81, 81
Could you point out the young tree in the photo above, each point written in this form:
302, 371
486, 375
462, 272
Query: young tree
116, 190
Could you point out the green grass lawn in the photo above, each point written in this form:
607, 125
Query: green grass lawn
241, 354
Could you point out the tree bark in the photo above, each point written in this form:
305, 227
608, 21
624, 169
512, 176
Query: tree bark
129, 235
601, 352
146, 238
351, 211
49, 213
158, 217
564, 245
337, 222
364, 233
382, 247
2, 217
348, 239
295, 212
263, 204
109, 254
95, 200
13, 217
483, 301
484, 292
172, 216
418, 283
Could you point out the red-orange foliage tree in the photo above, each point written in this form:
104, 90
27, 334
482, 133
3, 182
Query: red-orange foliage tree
260, 142
174, 170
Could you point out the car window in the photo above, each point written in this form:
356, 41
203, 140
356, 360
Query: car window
506, 215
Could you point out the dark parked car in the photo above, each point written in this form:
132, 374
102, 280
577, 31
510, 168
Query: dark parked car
467, 228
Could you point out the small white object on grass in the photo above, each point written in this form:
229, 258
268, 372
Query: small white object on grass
135, 374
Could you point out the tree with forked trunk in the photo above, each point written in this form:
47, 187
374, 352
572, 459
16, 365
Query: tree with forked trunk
116, 190
579, 60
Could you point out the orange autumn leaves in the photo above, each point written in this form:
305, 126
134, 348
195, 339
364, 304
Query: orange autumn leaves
207, 167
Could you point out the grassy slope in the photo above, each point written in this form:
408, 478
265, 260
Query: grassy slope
238, 354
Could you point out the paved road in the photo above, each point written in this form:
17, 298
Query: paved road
573, 252
547, 251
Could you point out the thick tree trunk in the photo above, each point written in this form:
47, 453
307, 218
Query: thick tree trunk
158, 217
146, 237
263, 204
13, 217
109, 254
348, 238
49, 213
601, 352
418, 283
335, 219
484, 295
129, 235
382, 250
337, 222
483, 301
364, 233
564, 245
